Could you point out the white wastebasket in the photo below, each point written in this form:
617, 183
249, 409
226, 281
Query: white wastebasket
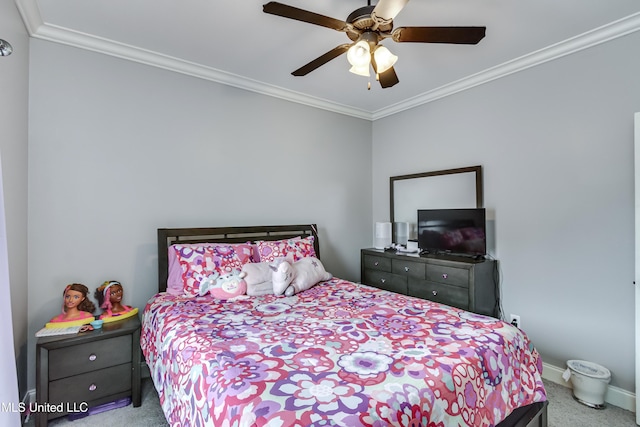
589, 382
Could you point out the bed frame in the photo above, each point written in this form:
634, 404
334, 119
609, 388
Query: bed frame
534, 415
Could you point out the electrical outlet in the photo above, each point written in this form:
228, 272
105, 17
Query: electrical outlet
515, 321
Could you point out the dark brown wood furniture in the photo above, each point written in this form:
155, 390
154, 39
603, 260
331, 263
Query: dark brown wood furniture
456, 281
79, 371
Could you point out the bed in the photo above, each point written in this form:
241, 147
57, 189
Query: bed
337, 354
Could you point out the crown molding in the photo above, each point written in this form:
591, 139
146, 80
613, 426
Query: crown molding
37, 28
613, 30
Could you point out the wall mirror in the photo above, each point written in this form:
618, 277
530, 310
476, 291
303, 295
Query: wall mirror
444, 189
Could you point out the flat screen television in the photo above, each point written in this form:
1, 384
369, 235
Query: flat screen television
452, 231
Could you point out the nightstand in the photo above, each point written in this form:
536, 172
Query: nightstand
80, 371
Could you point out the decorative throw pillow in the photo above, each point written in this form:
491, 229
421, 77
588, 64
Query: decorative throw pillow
224, 287
281, 277
258, 276
199, 262
293, 278
269, 250
307, 273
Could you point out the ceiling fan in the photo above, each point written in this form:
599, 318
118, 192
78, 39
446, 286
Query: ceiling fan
367, 27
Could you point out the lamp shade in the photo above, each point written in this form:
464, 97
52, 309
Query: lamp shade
382, 237
384, 59
361, 71
359, 54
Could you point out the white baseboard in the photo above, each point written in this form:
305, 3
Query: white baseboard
615, 395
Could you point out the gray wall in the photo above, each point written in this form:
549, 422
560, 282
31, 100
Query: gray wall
118, 149
14, 89
556, 146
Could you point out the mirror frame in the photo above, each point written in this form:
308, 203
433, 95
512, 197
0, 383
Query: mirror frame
477, 170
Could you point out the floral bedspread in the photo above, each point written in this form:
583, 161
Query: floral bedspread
338, 354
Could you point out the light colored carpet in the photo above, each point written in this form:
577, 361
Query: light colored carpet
149, 414
564, 411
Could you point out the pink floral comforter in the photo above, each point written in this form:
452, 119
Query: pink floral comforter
339, 354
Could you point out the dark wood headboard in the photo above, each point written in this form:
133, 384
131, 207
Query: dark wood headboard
170, 236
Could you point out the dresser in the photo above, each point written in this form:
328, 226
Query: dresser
79, 371
456, 281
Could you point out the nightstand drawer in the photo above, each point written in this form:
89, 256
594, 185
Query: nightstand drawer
450, 295
377, 263
89, 357
386, 281
92, 385
449, 275
408, 268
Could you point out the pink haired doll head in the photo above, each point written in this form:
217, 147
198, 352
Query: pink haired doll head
109, 295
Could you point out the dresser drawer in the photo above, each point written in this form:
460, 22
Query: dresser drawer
377, 263
408, 268
92, 385
386, 281
449, 275
78, 359
450, 295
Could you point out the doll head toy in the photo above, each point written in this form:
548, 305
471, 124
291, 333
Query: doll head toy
109, 296
75, 306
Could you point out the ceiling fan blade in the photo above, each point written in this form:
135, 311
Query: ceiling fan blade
388, 78
386, 10
455, 35
279, 9
321, 60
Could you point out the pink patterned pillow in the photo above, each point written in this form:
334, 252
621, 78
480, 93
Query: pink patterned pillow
198, 262
300, 248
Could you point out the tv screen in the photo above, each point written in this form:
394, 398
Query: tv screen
456, 231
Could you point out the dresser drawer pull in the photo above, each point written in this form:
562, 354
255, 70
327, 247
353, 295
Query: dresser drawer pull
434, 293
92, 357
406, 269
445, 275
93, 387
383, 280
376, 263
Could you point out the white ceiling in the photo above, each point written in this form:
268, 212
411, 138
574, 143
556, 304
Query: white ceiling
236, 43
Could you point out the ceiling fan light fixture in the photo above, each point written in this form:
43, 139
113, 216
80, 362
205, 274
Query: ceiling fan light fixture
384, 59
359, 54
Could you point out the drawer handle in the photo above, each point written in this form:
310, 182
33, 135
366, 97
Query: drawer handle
376, 263
434, 293
93, 387
383, 280
406, 269
445, 275
92, 357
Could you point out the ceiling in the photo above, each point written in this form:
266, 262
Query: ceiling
234, 42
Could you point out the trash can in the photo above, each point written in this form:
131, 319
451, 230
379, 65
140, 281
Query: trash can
589, 382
